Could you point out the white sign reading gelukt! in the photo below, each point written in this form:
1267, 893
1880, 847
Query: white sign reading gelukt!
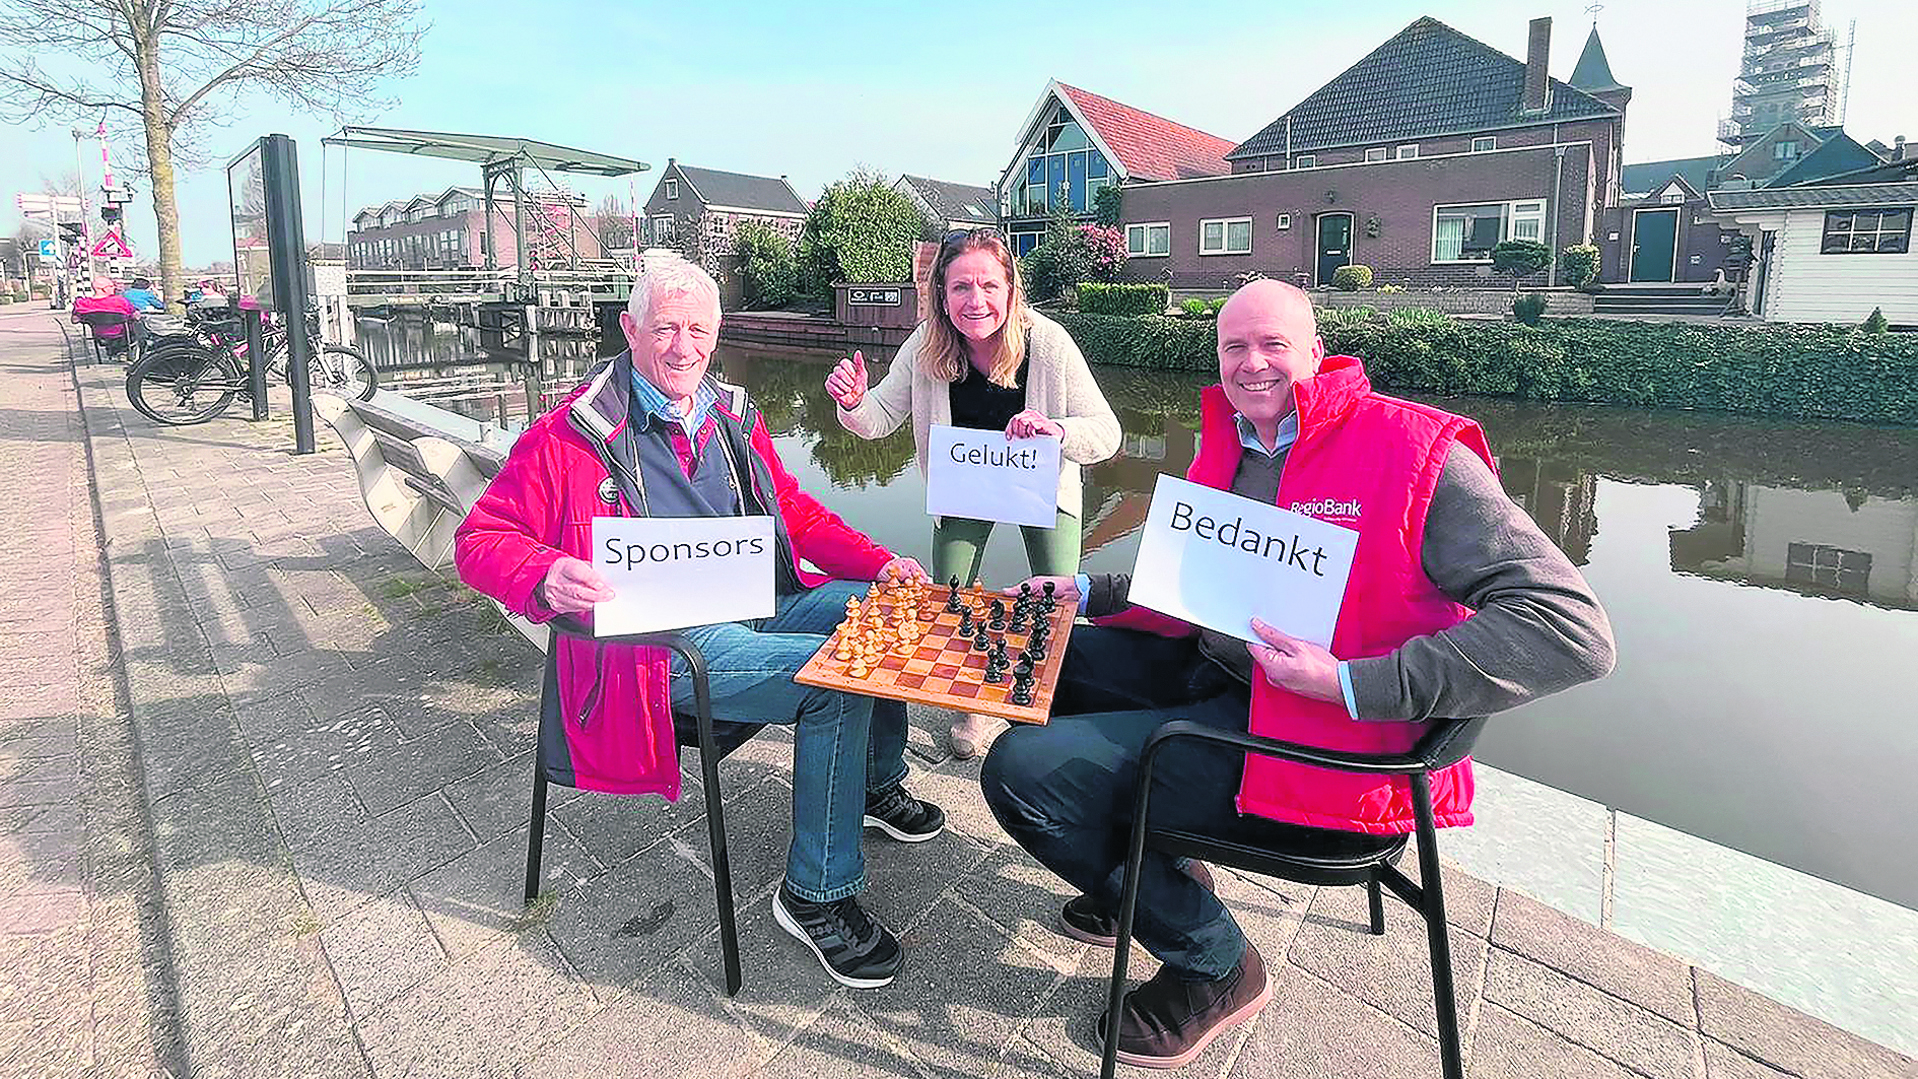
1218, 560
988, 477
674, 572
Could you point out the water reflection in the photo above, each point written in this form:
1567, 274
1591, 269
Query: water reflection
1762, 576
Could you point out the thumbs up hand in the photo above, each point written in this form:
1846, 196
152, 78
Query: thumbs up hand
847, 383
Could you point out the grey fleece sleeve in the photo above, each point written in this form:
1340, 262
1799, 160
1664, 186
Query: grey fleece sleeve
1536, 627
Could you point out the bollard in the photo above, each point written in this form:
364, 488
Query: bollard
255, 360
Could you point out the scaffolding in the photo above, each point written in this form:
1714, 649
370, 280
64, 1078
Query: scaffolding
1787, 72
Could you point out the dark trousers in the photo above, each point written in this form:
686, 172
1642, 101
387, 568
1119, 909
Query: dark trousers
1065, 791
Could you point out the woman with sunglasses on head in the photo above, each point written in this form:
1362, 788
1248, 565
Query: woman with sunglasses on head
985, 360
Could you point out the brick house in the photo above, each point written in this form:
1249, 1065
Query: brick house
949, 205
697, 212
1075, 142
1415, 161
449, 231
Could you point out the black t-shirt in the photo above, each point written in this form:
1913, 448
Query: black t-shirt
978, 403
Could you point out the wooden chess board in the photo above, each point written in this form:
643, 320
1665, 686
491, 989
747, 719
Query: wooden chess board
942, 668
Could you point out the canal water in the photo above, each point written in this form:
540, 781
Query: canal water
1761, 575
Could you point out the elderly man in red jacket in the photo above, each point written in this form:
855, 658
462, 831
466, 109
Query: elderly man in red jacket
1457, 605
651, 433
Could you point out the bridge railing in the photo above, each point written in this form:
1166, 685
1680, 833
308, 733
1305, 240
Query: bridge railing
428, 282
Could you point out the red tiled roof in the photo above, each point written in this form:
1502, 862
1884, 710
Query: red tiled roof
1151, 147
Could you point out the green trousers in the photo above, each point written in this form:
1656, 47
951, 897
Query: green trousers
959, 547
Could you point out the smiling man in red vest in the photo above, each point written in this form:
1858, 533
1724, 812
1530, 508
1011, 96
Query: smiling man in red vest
1457, 605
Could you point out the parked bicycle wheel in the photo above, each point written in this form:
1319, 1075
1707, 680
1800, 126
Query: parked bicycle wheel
340, 369
183, 385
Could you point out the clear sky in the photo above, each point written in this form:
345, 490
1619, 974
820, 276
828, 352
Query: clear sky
811, 90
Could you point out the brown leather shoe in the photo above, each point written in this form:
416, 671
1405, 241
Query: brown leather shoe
1085, 918
1168, 1022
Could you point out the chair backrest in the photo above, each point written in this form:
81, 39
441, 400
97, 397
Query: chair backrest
103, 320
1450, 741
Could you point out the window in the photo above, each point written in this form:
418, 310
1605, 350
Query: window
672, 189
1285, 222
1376, 153
1859, 232
1305, 161
663, 230
1407, 152
1785, 150
1482, 143
1225, 236
1063, 169
1831, 567
1468, 233
1149, 240
1672, 197
1024, 242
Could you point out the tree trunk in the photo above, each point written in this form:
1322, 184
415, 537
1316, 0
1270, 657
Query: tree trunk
159, 136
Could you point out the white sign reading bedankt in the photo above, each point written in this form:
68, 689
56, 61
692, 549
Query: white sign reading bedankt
1218, 560
988, 477
674, 572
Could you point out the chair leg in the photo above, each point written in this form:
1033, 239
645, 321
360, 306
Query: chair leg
536, 835
722, 870
1377, 900
1433, 908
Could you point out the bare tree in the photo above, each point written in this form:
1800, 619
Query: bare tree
155, 68
612, 224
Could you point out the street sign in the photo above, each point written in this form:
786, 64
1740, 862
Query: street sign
112, 246
49, 250
37, 203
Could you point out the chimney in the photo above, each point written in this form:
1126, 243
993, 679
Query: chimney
1538, 55
1900, 150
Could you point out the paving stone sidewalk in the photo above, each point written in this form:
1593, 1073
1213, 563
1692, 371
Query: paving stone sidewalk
334, 756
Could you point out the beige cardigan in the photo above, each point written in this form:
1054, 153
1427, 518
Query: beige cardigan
1058, 383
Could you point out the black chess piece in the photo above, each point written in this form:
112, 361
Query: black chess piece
1023, 669
1025, 590
998, 615
979, 641
1036, 650
953, 605
1049, 589
1021, 694
965, 621
992, 674
999, 649
1018, 624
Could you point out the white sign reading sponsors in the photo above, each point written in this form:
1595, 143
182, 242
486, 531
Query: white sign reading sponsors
674, 572
985, 476
1218, 560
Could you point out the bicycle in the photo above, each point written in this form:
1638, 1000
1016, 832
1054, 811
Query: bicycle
187, 378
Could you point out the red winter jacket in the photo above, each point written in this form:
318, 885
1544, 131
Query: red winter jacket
614, 700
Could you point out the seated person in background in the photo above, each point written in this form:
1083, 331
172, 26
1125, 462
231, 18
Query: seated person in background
650, 434
106, 297
1457, 606
141, 295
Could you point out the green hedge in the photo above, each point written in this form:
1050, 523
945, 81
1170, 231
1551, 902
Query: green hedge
1122, 298
1819, 372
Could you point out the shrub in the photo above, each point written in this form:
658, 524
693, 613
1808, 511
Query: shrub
1127, 298
1070, 252
1520, 259
860, 229
1817, 372
1105, 206
1875, 323
768, 272
1352, 278
1194, 308
1579, 263
1218, 302
1391, 288
1529, 308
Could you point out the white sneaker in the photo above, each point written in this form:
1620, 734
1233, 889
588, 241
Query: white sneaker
973, 734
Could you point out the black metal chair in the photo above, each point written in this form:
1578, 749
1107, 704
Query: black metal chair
107, 347
1447, 743
715, 739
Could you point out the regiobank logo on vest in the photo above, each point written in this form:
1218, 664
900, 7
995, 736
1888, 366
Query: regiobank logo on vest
1329, 509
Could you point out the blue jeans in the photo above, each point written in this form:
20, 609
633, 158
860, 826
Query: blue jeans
1065, 791
843, 744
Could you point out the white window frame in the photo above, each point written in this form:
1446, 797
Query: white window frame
1225, 233
1672, 198
1376, 154
1145, 239
1399, 152
1511, 211
1285, 222
1306, 161
672, 189
671, 230
1490, 141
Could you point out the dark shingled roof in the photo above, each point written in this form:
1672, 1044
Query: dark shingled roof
1593, 71
718, 188
1428, 79
956, 202
1650, 176
1837, 195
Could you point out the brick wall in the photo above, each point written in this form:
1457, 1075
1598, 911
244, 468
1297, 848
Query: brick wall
1399, 195
1700, 234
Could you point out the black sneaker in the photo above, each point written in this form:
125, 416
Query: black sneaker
853, 948
903, 817
1085, 918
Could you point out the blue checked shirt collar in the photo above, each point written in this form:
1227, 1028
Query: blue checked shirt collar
1249, 438
655, 403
